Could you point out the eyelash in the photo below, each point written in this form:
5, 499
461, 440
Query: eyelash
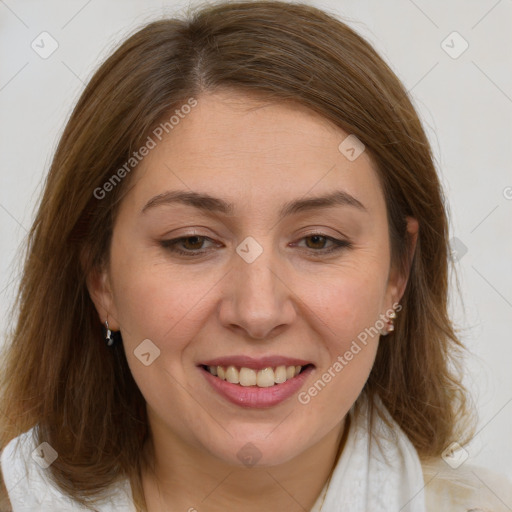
170, 245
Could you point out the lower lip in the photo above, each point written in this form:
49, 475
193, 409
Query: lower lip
253, 396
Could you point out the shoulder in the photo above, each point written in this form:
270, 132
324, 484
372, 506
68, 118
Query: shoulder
25, 484
467, 488
25, 473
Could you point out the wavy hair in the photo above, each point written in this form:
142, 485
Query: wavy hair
59, 377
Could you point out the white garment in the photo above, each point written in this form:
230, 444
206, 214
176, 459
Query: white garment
385, 478
30, 490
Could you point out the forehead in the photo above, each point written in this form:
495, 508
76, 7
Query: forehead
250, 150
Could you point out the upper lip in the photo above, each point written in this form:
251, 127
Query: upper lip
255, 363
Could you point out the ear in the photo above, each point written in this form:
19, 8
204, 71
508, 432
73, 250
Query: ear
398, 281
100, 291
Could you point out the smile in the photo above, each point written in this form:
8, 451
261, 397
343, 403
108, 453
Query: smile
256, 387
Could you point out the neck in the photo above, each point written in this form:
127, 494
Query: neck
180, 477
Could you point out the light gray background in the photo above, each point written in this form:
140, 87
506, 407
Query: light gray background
465, 103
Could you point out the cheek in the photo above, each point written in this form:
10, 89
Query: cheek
348, 314
346, 317
347, 304
158, 304
156, 301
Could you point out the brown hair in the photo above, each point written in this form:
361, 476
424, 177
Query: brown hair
59, 376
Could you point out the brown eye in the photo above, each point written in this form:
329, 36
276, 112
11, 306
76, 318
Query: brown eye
187, 245
193, 242
194, 245
318, 241
316, 244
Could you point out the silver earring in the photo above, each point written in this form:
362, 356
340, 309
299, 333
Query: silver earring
110, 337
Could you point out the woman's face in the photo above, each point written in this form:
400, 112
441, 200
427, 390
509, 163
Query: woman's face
261, 283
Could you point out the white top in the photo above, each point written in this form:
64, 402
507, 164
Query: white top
25, 473
367, 476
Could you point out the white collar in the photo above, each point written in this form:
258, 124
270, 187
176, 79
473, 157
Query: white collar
378, 472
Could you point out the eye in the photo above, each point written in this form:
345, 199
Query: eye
318, 241
193, 245
190, 243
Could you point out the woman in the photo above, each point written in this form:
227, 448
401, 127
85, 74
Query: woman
240, 206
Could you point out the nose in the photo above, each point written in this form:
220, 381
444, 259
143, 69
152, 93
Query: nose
257, 299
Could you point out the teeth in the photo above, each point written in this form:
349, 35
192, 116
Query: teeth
264, 378
232, 375
248, 377
280, 374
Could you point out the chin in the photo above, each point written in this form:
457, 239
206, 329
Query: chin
255, 450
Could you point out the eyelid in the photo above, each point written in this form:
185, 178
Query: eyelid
321, 232
169, 242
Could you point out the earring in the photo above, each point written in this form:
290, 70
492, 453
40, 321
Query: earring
110, 337
389, 325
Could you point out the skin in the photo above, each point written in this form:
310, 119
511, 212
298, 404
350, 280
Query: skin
290, 301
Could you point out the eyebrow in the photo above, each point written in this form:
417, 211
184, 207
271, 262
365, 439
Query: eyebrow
208, 203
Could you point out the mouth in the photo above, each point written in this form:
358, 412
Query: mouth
266, 377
